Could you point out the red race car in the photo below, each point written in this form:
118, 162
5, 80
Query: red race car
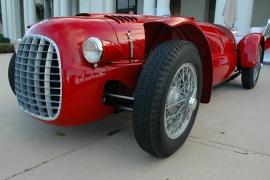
74, 70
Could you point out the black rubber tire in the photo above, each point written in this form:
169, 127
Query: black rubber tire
11, 72
248, 74
151, 93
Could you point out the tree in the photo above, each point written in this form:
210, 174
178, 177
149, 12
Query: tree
175, 7
40, 11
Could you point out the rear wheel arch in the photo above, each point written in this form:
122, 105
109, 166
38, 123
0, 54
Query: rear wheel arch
251, 44
159, 32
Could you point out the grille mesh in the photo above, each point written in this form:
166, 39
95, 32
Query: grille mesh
38, 80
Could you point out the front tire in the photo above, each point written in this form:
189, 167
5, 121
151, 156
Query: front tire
250, 76
167, 97
11, 73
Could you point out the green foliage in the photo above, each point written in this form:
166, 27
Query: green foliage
40, 11
6, 48
3, 39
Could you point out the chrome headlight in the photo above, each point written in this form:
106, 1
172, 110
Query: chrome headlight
17, 44
92, 49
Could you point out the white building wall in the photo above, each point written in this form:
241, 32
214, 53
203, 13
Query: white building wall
97, 6
16, 25
74, 7
154, 7
244, 15
149, 7
146, 7
4, 17
84, 6
10, 19
11, 15
220, 4
109, 6
60, 8
30, 16
163, 8
11, 11
47, 9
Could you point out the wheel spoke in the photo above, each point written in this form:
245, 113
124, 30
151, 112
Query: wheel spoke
179, 79
172, 116
179, 106
176, 103
183, 93
178, 124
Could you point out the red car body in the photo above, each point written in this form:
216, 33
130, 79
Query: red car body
83, 84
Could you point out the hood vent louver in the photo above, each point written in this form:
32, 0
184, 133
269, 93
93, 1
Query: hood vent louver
122, 19
83, 14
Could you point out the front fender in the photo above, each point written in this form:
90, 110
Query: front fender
83, 84
248, 49
172, 28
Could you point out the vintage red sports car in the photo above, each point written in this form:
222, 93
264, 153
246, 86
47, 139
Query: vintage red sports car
73, 70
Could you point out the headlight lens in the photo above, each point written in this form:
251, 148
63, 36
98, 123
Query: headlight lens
92, 49
17, 44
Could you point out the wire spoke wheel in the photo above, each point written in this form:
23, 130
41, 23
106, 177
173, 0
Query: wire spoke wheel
166, 100
257, 67
181, 101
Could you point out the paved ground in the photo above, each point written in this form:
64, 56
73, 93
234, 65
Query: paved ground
230, 140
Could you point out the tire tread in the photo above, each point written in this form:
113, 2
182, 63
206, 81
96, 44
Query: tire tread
148, 93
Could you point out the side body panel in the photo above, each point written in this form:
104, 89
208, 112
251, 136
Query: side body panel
223, 52
267, 43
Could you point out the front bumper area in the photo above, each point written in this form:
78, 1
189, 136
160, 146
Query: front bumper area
38, 77
82, 86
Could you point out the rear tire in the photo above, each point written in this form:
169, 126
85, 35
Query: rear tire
250, 76
157, 86
11, 72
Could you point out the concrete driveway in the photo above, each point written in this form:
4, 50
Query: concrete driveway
230, 140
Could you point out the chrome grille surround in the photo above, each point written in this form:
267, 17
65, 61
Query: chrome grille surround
38, 77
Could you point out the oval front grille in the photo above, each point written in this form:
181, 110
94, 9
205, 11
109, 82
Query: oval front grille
38, 79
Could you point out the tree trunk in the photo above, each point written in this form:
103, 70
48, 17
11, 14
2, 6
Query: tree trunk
175, 7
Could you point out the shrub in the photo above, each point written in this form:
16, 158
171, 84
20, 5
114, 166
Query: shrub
6, 48
3, 39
